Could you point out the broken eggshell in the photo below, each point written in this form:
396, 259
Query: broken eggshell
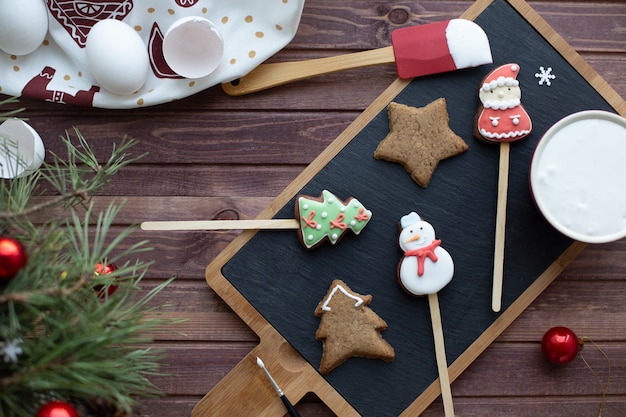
117, 57
193, 47
21, 149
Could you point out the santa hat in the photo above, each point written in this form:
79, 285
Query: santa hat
502, 76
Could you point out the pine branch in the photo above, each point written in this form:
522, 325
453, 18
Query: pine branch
25, 297
74, 178
11, 113
81, 193
76, 344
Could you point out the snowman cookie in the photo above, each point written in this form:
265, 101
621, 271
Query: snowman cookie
426, 267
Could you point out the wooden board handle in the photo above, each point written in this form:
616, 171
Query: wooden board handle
273, 224
246, 392
272, 75
242, 392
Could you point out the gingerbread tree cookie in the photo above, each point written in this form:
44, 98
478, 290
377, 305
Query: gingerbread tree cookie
349, 328
327, 218
419, 138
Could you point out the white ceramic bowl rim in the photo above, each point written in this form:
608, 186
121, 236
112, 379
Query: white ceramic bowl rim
550, 133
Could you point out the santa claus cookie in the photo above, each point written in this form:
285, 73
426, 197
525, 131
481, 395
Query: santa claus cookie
501, 116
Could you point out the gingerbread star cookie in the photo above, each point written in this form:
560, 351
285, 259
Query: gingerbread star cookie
419, 138
349, 328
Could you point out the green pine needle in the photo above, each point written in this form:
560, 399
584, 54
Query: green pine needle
76, 344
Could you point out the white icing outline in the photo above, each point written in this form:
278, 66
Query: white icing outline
502, 105
506, 135
325, 307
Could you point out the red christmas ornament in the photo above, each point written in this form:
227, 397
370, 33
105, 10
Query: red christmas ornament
102, 269
560, 345
57, 409
13, 257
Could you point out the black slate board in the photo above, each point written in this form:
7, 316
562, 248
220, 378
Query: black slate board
285, 283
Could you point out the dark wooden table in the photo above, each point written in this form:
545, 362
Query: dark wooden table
212, 156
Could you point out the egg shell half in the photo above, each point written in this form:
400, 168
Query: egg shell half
117, 57
193, 47
21, 149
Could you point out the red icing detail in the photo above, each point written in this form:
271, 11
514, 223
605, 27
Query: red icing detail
423, 253
362, 216
338, 222
506, 71
309, 222
422, 50
505, 125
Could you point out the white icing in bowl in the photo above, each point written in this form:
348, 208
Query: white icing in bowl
578, 176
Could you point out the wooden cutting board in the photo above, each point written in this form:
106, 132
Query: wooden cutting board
274, 285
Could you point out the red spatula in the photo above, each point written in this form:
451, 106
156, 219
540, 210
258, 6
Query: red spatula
418, 50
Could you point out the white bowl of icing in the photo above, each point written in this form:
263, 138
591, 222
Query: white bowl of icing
578, 176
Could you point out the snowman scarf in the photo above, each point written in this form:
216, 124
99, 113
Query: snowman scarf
423, 253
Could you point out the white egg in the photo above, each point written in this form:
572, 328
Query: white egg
117, 57
23, 25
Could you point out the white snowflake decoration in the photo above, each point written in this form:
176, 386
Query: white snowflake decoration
11, 350
545, 76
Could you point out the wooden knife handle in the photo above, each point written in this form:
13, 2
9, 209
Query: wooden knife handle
271, 75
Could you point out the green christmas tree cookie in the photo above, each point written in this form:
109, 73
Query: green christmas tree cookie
317, 219
327, 218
